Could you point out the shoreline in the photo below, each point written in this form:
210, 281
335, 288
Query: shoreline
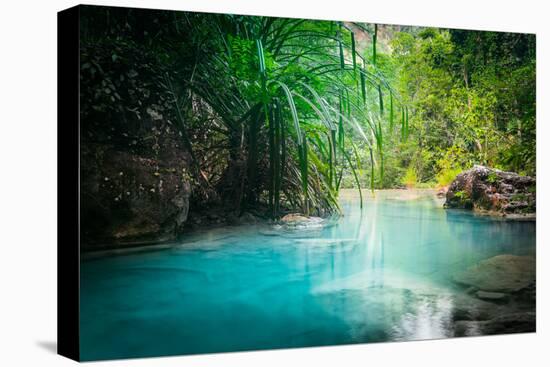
106, 250
103, 250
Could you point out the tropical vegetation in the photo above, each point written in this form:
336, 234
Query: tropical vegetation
282, 113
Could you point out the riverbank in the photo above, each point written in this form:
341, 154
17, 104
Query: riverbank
214, 218
390, 194
206, 220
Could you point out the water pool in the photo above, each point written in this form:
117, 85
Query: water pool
377, 274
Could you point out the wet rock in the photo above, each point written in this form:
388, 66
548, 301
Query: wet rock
302, 221
294, 218
492, 191
248, 218
502, 273
492, 296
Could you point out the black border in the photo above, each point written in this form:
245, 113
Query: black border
68, 181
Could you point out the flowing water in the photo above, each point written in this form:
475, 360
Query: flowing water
382, 273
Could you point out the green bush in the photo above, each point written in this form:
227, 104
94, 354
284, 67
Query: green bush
446, 176
410, 179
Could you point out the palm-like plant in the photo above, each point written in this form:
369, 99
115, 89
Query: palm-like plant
291, 95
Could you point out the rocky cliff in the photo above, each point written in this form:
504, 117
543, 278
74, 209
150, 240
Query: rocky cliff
135, 179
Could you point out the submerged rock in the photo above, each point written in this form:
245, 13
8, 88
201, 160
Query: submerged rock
294, 218
492, 296
469, 308
502, 274
493, 191
520, 322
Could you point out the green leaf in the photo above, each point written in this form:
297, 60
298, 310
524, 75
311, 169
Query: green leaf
342, 61
353, 50
363, 87
261, 57
391, 112
374, 38
293, 112
380, 100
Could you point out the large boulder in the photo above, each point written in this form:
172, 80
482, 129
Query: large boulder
131, 199
493, 191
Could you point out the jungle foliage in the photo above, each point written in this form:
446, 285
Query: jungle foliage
472, 98
284, 112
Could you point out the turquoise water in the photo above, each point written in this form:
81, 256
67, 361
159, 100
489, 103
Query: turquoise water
377, 274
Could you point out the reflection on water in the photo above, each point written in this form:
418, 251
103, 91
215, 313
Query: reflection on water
377, 274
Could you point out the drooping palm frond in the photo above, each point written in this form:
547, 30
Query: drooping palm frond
251, 64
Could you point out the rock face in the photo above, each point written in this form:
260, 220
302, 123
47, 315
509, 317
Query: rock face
493, 191
499, 274
129, 199
135, 170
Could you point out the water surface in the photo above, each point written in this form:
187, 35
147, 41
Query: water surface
377, 274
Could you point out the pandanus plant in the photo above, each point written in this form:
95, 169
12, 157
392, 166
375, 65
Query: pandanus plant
296, 95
